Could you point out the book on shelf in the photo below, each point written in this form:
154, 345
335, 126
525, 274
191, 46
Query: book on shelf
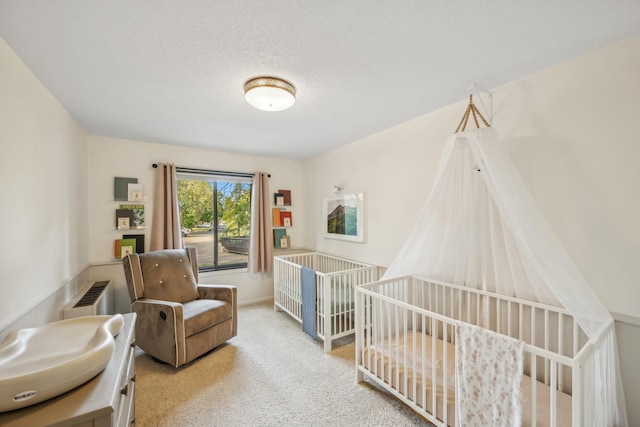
137, 215
286, 219
123, 247
278, 233
139, 238
121, 187
285, 242
124, 219
287, 196
275, 215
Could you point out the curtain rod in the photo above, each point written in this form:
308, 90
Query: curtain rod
181, 169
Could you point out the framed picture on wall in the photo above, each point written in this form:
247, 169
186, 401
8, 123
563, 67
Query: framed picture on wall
123, 223
343, 217
135, 192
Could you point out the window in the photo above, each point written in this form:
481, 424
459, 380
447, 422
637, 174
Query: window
215, 215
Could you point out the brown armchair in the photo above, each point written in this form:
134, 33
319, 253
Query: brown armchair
178, 319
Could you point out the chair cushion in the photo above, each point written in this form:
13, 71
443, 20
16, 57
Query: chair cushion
204, 313
168, 276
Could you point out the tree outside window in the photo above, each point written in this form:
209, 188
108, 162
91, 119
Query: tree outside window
220, 231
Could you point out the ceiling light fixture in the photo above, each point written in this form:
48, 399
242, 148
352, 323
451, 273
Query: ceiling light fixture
269, 93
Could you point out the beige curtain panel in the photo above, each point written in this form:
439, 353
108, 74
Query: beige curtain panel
165, 227
261, 240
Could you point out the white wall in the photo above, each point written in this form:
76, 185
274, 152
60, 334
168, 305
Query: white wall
111, 157
394, 169
569, 129
43, 188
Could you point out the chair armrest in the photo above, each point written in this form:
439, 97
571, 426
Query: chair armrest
223, 293
219, 292
160, 329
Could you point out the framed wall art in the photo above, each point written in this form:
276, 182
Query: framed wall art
343, 217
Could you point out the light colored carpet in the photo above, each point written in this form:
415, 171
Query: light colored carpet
271, 374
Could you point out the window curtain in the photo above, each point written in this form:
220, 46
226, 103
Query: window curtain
261, 240
165, 228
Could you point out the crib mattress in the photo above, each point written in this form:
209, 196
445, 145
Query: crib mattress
381, 360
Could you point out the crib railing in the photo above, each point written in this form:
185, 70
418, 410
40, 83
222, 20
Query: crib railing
336, 279
287, 286
398, 319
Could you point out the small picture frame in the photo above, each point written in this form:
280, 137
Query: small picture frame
125, 250
135, 192
136, 195
284, 242
278, 199
123, 223
286, 221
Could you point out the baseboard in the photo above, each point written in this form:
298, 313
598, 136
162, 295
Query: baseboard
255, 301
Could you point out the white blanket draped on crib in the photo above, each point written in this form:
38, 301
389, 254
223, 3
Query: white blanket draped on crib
488, 377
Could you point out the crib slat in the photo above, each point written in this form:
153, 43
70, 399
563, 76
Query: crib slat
388, 337
360, 315
468, 302
398, 344
451, 312
509, 333
424, 363
575, 337
405, 351
521, 323
553, 399
414, 380
560, 349
498, 316
380, 341
368, 326
445, 381
533, 325
433, 367
546, 345
534, 375
377, 333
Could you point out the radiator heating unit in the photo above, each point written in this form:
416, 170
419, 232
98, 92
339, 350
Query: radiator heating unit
96, 298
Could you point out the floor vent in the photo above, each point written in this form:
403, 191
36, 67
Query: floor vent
92, 300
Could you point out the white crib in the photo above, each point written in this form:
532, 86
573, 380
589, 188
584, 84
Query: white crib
405, 339
336, 279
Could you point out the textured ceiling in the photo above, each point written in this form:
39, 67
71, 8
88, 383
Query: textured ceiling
173, 72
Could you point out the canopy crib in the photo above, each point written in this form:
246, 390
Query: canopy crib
482, 318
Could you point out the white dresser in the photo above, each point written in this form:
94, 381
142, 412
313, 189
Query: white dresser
108, 400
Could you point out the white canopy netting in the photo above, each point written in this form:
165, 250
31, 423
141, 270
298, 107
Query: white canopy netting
481, 228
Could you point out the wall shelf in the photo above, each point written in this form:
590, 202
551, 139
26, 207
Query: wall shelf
281, 219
